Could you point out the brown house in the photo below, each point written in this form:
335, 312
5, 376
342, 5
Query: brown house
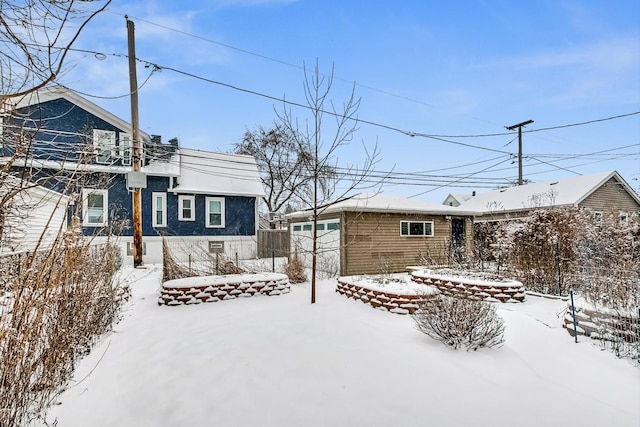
378, 233
606, 194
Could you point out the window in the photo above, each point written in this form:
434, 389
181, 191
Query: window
623, 219
333, 226
320, 227
214, 212
94, 207
125, 149
103, 142
159, 201
306, 227
186, 208
597, 219
130, 248
297, 228
416, 228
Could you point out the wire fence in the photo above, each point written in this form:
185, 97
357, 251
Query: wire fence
186, 258
606, 309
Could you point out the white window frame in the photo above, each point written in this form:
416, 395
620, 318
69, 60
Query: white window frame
126, 148
86, 192
424, 228
154, 210
208, 212
181, 200
623, 219
104, 141
597, 218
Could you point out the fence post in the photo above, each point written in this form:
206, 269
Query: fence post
189, 263
558, 266
273, 261
573, 315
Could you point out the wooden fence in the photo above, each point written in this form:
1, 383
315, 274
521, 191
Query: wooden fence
273, 243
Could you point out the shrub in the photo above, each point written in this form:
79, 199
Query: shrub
458, 322
58, 306
295, 269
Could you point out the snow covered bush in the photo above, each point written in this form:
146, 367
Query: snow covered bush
295, 269
608, 264
59, 302
542, 248
459, 322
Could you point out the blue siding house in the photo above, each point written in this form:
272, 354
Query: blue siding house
199, 200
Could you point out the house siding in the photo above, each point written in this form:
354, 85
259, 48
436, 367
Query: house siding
612, 198
65, 127
38, 221
372, 239
240, 212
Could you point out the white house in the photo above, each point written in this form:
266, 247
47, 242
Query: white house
30, 219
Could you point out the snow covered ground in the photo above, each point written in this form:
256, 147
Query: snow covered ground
280, 361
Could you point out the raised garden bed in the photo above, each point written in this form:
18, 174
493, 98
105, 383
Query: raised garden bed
196, 290
471, 285
399, 296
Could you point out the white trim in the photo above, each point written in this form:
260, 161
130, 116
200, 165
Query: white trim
154, 209
56, 92
85, 207
125, 148
623, 219
598, 217
104, 142
424, 229
208, 212
153, 169
181, 200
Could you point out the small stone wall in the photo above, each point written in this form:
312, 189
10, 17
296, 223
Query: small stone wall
393, 302
602, 325
196, 290
509, 291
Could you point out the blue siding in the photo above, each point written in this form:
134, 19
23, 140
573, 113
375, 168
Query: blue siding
240, 213
64, 128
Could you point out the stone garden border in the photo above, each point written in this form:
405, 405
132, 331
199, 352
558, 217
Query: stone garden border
487, 290
394, 302
196, 290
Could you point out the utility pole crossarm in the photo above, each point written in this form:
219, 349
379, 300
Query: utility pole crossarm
519, 126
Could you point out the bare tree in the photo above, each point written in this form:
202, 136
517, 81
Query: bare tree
35, 38
283, 164
323, 141
55, 303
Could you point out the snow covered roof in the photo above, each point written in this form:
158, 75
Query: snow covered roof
562, 192
56, 92
205, 172
11, 182
456, 199
170, 167
379, 202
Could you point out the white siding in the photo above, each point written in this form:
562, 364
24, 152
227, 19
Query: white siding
328, 259
37, 215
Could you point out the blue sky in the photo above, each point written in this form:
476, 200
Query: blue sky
425, 67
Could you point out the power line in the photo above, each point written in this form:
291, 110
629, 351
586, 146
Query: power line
442, 138
278, 61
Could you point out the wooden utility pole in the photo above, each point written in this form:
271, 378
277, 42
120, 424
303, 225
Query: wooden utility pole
519, 126
135, 136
